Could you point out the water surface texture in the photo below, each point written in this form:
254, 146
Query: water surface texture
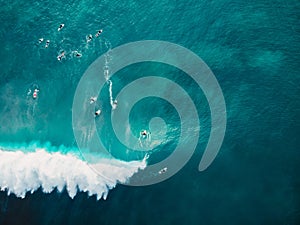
252, 47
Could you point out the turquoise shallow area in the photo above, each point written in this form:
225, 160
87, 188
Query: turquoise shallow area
251, 46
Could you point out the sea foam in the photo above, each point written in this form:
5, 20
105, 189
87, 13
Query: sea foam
22, 172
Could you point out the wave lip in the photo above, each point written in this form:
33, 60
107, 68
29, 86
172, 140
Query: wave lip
26, 172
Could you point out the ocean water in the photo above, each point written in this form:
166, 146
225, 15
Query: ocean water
252, 47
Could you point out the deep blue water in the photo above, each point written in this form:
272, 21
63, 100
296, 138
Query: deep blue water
252, 47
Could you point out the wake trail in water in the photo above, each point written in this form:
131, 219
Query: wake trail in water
111, 94
22, 172
108, 58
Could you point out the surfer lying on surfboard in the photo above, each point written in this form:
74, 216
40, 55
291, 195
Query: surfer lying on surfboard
35, 93
163, 170
61, 26
89, 38
145, 138
98, 112
60, 56
47, 43
98, 33
93, 100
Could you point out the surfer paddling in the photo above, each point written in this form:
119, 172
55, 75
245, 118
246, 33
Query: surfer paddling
61, 26
35, 93
98, 33
60, 56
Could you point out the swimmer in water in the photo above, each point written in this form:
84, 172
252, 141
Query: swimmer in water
41, 40
98, 33
60, 56
47, 43
93, 100
98, 112
89, 38
61, 26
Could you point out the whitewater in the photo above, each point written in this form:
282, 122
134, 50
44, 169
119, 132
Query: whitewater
22, 172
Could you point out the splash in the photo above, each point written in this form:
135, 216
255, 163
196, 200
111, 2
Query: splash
22, 172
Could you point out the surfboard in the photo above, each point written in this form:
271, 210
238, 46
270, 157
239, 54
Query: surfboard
61, 26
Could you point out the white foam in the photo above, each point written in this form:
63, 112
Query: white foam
26, 172
110, 94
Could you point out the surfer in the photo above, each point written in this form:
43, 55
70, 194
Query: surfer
89, 38
98, 33
35, 93
93, 100
47, 43
114, 105
144, 134
144, 139
61, 26
98, 112
60, 56
77, 54
163, 170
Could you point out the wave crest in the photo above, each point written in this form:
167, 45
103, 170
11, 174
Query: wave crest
26, 172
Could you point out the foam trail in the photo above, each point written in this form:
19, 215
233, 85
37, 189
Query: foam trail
26, 172
106, 66
111, 94
106, 75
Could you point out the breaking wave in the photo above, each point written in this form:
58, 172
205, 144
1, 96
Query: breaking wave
26, 171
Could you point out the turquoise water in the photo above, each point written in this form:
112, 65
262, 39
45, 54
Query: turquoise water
251, 46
